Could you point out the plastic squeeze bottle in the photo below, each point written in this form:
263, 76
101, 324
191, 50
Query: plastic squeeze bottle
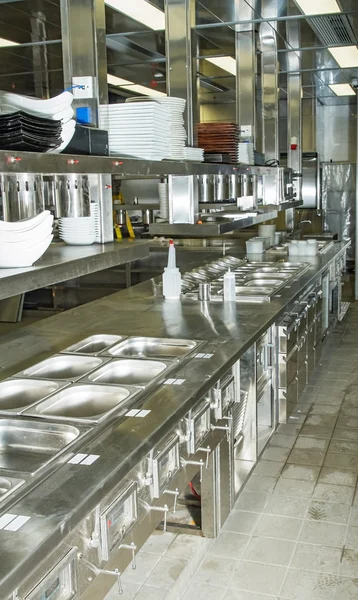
171, 276
229, 287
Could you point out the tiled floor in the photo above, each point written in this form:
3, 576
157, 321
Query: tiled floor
293, 534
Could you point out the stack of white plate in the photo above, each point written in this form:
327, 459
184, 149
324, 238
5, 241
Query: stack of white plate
58, 108
195, 154
246, 153
175, 109
23, 242
81, 231
141, 130
163, 191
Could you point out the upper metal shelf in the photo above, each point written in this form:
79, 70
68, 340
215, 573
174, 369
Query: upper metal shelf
52, 164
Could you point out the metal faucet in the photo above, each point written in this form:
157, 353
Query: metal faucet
291, 234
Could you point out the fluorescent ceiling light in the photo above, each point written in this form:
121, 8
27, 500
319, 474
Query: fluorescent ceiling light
5, 43
342, 89
133, 87
318, 7
346, 56
140, 11
227, 63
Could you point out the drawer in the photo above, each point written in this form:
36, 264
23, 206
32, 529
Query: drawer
311, 338
302, 379
318, 353
287, 334
318, 328
311, 311
319, 302
223, 395
302, 351
286, 396
287, 367
310, 364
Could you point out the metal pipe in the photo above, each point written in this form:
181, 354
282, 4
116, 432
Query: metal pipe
265, 20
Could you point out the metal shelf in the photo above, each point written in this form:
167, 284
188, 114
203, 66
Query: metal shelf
61, 263
52, 164
210, 228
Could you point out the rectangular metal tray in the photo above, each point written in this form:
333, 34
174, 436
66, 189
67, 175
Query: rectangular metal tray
8, 485
129, 371
17, 395
93, 344
153, 348
84, 403
28, 446
65, 367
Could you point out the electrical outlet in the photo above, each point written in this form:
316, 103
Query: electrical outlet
83, 87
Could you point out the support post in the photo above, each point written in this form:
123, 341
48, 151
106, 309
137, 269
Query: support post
84, 49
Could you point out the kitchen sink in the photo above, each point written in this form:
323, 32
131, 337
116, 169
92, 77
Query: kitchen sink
94, 344
143, 347
16, 394
27, 446
129, 372
64, 367
8, 485
83, 402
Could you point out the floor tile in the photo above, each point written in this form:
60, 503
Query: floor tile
311, 443
349, 411
324, 409
347, 589
326, 534
335, 400
337, 476
349, 563
205, 592
306, 457
311, 557
159, 542
256, 577
328, 511
350, 422
322, 420
306, 473
241, 522
166, 571
274, 526
289, 429
352, 538
241, 595
293, 487
344, 446
345, 461
130, 591
267, 550
215, 571
282, 441
354, 516
184, 546
286, 506
316, 431
260, 483
145, 564
307, 585
276, 454
148, 592
333, 493
229, 545
251, 501
269, 468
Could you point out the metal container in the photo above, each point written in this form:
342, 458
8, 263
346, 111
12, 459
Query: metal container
204, 293
8, 485
93, 345
129, 372
233, 187
121, 216
27, 446
83, 403
142, 347
118, 519
68, 368
22, 196
221, 188
72, 195
206, 188
164, 464
147, 217
18, 394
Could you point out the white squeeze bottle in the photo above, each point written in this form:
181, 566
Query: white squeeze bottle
229, 287
171, 276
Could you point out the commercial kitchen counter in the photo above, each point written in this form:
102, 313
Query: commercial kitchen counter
67, 491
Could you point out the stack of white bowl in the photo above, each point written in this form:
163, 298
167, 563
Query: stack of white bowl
23, 242
81, 231
58, 108
163, 191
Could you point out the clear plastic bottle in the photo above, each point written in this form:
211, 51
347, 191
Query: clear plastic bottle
229, 287
171, 276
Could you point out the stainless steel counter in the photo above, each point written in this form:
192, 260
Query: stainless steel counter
62, 262
60, 502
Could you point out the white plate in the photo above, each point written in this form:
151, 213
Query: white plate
26, 224
24, 259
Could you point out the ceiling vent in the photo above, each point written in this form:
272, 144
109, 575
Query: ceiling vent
334, 30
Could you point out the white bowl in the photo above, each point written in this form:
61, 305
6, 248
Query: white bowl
26, 224
30, 236
24, 259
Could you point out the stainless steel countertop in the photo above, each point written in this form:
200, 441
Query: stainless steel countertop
60, 502
62, 262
